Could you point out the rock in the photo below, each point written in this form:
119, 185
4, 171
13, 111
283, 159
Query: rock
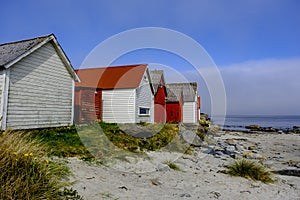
215, 195
268, 129
213, 129
239, 147
156, 182
253, 127
230, 141
288, 172
230, 148
219, 153
249, 155
280, 132
297, 165
123, 187
245, 191
255, 185
252, 148
190, 137
185, 195
187, 132
162, 167
210, 151
268, 163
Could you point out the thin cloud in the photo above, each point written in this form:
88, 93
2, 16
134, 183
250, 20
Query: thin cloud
261, 87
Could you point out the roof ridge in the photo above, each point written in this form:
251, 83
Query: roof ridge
117, 66
182, 83
28, 39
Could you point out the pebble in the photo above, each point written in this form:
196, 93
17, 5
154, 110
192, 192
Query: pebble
156, 182
239, 147
162, 167
185, 195
230, 148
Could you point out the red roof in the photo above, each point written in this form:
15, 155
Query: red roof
118, 77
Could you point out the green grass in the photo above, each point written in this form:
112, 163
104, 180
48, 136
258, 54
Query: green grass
61, 142
250, 169
172, 165
26, 172
104, 141
201, 135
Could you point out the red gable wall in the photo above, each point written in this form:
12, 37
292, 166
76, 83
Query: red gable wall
174, 111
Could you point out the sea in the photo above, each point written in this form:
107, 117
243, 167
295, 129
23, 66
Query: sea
238, 122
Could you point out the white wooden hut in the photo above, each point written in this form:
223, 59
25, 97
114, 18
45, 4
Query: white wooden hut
36, 84
126, 92
189, 92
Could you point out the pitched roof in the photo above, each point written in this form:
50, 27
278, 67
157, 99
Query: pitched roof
174, 93
12, 52
118, 77
156, 76
187, 90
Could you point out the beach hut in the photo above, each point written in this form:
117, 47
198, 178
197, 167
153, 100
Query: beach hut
160, 94
126, 94
36, 84
183, 97
190, 101
174, 103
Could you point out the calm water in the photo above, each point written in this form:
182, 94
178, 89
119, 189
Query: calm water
239, 122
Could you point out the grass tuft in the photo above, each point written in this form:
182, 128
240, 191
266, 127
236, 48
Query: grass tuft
173, 166
250, 169
26, 172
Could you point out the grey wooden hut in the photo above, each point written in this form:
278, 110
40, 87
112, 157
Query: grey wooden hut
36, 84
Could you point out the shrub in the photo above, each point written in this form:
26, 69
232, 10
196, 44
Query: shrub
26, 173
249, 169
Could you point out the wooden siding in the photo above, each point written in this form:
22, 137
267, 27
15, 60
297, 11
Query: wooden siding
160, 105
88, 105
40, 91
119, 105
174, 112
189, 112
144, 98
1, 91
160, 115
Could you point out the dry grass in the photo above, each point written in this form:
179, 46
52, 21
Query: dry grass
26, 173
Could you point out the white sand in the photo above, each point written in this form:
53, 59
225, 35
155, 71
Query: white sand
199, 178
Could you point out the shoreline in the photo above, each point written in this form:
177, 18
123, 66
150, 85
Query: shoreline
199, 176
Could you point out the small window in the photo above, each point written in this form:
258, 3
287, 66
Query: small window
144, 111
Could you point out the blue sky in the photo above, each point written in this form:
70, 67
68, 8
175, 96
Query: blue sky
254, 43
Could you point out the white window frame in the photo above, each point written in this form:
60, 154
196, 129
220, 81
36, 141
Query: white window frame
147, 108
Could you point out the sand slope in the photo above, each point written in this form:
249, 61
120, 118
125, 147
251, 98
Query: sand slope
199, 178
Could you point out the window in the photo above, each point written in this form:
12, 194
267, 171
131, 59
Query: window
144, 111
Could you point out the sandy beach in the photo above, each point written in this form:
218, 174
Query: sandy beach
200, 174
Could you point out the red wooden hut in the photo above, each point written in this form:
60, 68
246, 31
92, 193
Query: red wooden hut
174, 104
160, 93
88, 97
